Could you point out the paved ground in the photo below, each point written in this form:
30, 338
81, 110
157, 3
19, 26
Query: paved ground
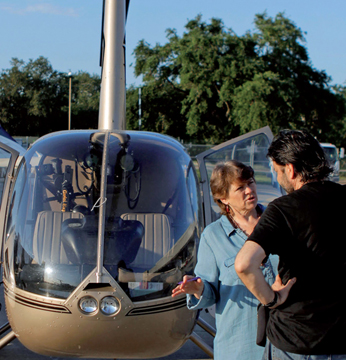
15, 350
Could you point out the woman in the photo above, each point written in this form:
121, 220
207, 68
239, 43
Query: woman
234, 190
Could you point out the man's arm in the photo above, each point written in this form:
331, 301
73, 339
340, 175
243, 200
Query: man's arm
247, 266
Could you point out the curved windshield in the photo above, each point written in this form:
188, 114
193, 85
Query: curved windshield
144, 199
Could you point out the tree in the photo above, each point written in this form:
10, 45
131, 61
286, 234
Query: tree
160, 106
14, 102
34, 98
85, 100
294, 84
336, 130
202, 67
31, 96
232, 84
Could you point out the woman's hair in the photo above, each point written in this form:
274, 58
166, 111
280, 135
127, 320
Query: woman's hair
224, 175
299, 148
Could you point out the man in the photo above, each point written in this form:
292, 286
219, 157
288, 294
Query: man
306, 229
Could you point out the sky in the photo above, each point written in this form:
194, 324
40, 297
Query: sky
68, 32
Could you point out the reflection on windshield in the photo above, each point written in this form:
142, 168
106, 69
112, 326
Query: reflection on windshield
151, 209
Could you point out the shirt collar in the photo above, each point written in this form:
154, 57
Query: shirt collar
227, 226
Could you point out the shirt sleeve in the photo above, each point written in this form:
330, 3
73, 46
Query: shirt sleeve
270, 230
207, 270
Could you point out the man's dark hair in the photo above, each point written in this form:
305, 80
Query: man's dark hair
303, 151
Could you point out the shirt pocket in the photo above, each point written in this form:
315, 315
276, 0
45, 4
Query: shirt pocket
228, 274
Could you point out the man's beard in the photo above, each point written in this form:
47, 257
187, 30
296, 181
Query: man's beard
285, 184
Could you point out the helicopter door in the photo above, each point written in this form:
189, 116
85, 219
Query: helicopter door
250, 149
8, 158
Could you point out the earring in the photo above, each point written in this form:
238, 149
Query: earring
229, 210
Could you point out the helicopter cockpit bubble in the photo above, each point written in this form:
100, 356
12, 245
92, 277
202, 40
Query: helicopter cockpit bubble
152, 216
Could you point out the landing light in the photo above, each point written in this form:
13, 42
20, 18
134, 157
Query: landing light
109, 305
88, 304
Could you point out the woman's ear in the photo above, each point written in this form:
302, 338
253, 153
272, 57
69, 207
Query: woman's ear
224, 201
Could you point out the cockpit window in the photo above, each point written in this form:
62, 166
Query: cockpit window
148, 214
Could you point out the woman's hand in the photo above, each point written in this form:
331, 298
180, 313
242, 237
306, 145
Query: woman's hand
189, 287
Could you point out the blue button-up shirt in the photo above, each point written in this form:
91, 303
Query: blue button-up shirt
236, 307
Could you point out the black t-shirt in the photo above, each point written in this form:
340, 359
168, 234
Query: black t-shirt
306, 229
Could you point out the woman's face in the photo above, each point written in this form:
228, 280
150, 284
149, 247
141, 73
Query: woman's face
242, 196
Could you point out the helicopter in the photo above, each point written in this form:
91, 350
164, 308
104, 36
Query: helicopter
98, 226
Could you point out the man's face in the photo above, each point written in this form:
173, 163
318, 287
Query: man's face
282, 178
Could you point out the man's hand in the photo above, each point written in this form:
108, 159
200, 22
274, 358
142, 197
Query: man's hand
189, 287
282, 290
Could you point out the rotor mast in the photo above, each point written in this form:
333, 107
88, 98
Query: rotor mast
113, 93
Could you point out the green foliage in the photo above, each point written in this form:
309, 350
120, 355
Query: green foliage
160, 107
34, 98
205, 86
335, 131
85, 101
224, 85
